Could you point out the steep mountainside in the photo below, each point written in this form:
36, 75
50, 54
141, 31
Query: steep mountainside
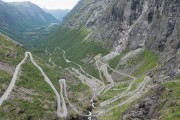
15, 18
131, 24
23, 14
59, 14
33, 13
136, 37
31, 97
11, 53
119, 58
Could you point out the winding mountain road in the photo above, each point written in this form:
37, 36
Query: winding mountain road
103, 67
126, 93
58, 98
96, 85
14, 78
108, 77
12, 83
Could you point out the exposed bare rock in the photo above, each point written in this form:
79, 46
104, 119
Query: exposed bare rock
11, 54
122, 25
23, 93
145, 108
7, 68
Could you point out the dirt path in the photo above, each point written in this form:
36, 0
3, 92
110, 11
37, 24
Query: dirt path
14, 78
95, 84
131, 95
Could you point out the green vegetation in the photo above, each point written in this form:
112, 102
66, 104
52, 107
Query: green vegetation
4, 77
90, 68
54, 73
146, 60
21, 23
113, 92
78, 88
137, 82
149, 62
10, 52
177, 78
65, 38
33, 79
76, 47
4, 80
170, 109
72, 41
114, 62
116, 113
41, 101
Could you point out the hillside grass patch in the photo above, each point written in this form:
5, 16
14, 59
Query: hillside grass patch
149, 60
171, 109
114, 62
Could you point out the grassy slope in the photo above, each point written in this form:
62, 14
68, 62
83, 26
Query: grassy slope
170, 110
72, 41
4, 79
149, 62
52, 72
41, 105
44, 103
77, 49
114, 62
6, 47
146, 59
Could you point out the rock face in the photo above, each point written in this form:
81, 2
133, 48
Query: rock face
7, 68
129, 25
113, 21
145, 108
132, 24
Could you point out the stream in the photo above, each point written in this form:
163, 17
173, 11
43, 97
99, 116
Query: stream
92, 104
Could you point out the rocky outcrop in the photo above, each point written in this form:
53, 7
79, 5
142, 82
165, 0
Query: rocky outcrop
145, 108
7, 68
163, 36
23, 93
132, 24
128, 25
110, 21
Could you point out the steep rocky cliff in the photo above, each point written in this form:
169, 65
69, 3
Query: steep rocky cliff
131, 46
121, 25
124, 26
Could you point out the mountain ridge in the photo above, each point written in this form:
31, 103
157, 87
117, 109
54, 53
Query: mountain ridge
120, 60
58, 13
120, 21
143, 34
35, 11
16, 18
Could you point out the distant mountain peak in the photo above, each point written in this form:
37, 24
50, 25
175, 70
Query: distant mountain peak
19, 16
58, 13
23, 4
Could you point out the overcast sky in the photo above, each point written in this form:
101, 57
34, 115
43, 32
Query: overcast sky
51, 4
